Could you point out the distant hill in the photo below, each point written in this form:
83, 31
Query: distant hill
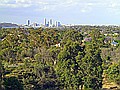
8, 25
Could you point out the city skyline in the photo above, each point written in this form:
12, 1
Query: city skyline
67, 12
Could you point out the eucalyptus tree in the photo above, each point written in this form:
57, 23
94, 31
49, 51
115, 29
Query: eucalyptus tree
68, 67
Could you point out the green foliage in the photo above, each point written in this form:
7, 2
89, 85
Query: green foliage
33, 62
113, 73
67, 67
12, 83
72, 35
0, 74
97, 38
92, 65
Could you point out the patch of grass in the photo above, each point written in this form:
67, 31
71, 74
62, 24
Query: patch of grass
118, 41
87, 42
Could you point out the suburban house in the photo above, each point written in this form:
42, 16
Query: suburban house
114, 43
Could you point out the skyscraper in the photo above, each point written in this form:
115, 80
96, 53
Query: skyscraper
50, 23
59, 24
28, 22
45, 22
56, 24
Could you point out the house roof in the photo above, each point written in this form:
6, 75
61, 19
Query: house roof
114, 43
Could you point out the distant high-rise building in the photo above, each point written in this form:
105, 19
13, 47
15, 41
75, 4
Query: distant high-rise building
59, 24
56, 24
45, 22
28, 22
50, 23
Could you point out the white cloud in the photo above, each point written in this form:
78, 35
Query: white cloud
114, 7
4, 1
83, 5
83, 10
24, 1
14, 5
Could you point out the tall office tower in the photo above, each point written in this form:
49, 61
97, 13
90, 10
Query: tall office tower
45, 24
59, 24
56, 24
28, 22
50, 23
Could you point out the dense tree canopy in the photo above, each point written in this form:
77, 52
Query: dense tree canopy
51, 59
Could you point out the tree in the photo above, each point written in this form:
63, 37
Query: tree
92, 65
12, 83
97, 37
67, 66
113, 73
80, 73
72, 35
1, 71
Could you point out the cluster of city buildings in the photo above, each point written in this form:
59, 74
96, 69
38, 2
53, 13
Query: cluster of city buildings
49, 23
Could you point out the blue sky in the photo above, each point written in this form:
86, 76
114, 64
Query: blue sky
65, 11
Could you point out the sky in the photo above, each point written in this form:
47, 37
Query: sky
65, 11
